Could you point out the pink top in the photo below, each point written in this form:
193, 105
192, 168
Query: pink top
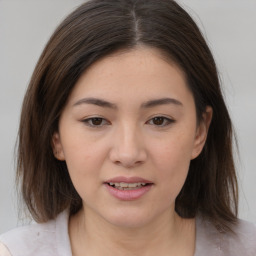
52, 239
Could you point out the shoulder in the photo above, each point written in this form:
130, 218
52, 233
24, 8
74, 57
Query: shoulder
242, 241
39, 239
28, 239
4, 251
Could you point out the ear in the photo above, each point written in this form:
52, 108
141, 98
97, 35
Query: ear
201, 132
57, 147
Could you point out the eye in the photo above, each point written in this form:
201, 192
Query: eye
160, 121
95, 121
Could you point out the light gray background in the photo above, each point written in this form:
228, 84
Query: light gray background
230, 29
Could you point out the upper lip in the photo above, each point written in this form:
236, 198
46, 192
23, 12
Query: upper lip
127, 180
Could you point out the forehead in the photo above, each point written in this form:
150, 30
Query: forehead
139, 73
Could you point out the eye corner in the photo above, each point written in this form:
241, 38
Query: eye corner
161, 121
95, 122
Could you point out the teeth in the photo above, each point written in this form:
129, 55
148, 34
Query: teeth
127, 186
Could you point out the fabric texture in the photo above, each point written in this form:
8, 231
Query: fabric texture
46, 239
4, 251
52, 239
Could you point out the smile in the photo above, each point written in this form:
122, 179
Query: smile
127, 189
127, 186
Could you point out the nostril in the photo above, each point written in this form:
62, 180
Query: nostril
128, 164
127, 155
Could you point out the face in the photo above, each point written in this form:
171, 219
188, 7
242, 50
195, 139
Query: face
128, 133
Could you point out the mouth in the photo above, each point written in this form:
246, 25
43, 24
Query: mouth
128, 189
128, 186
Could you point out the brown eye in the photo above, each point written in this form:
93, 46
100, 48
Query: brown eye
160, 121
95, 121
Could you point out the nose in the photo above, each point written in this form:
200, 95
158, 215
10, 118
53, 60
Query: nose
128, 149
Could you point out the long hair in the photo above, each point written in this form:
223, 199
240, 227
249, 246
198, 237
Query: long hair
94, 30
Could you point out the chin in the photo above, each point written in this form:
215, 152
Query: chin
128, 218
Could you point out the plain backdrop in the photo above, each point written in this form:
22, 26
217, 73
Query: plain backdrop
230, 30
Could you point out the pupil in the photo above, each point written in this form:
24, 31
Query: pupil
97, 121
158, 120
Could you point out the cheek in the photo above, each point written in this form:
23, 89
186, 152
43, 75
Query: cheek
84, 167
173, 150
172, 159
80, 147
84, 159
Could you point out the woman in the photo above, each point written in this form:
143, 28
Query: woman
125, 142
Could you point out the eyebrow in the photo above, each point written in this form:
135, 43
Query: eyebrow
97, 102
147, 104
162, 101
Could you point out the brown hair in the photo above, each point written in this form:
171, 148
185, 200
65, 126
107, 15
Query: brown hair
94, 30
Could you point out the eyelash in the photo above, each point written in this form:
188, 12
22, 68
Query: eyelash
88, 121
166, 121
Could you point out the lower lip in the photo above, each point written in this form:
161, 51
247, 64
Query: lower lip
128, 195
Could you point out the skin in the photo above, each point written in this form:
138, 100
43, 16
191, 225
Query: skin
128, 141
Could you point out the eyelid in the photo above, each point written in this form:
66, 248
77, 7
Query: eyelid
87, 120
169, 120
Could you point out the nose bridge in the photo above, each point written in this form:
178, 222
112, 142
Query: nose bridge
128, 147
129, 138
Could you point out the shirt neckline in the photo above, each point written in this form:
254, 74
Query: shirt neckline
207, 238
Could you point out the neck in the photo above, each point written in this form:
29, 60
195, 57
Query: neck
168, 235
